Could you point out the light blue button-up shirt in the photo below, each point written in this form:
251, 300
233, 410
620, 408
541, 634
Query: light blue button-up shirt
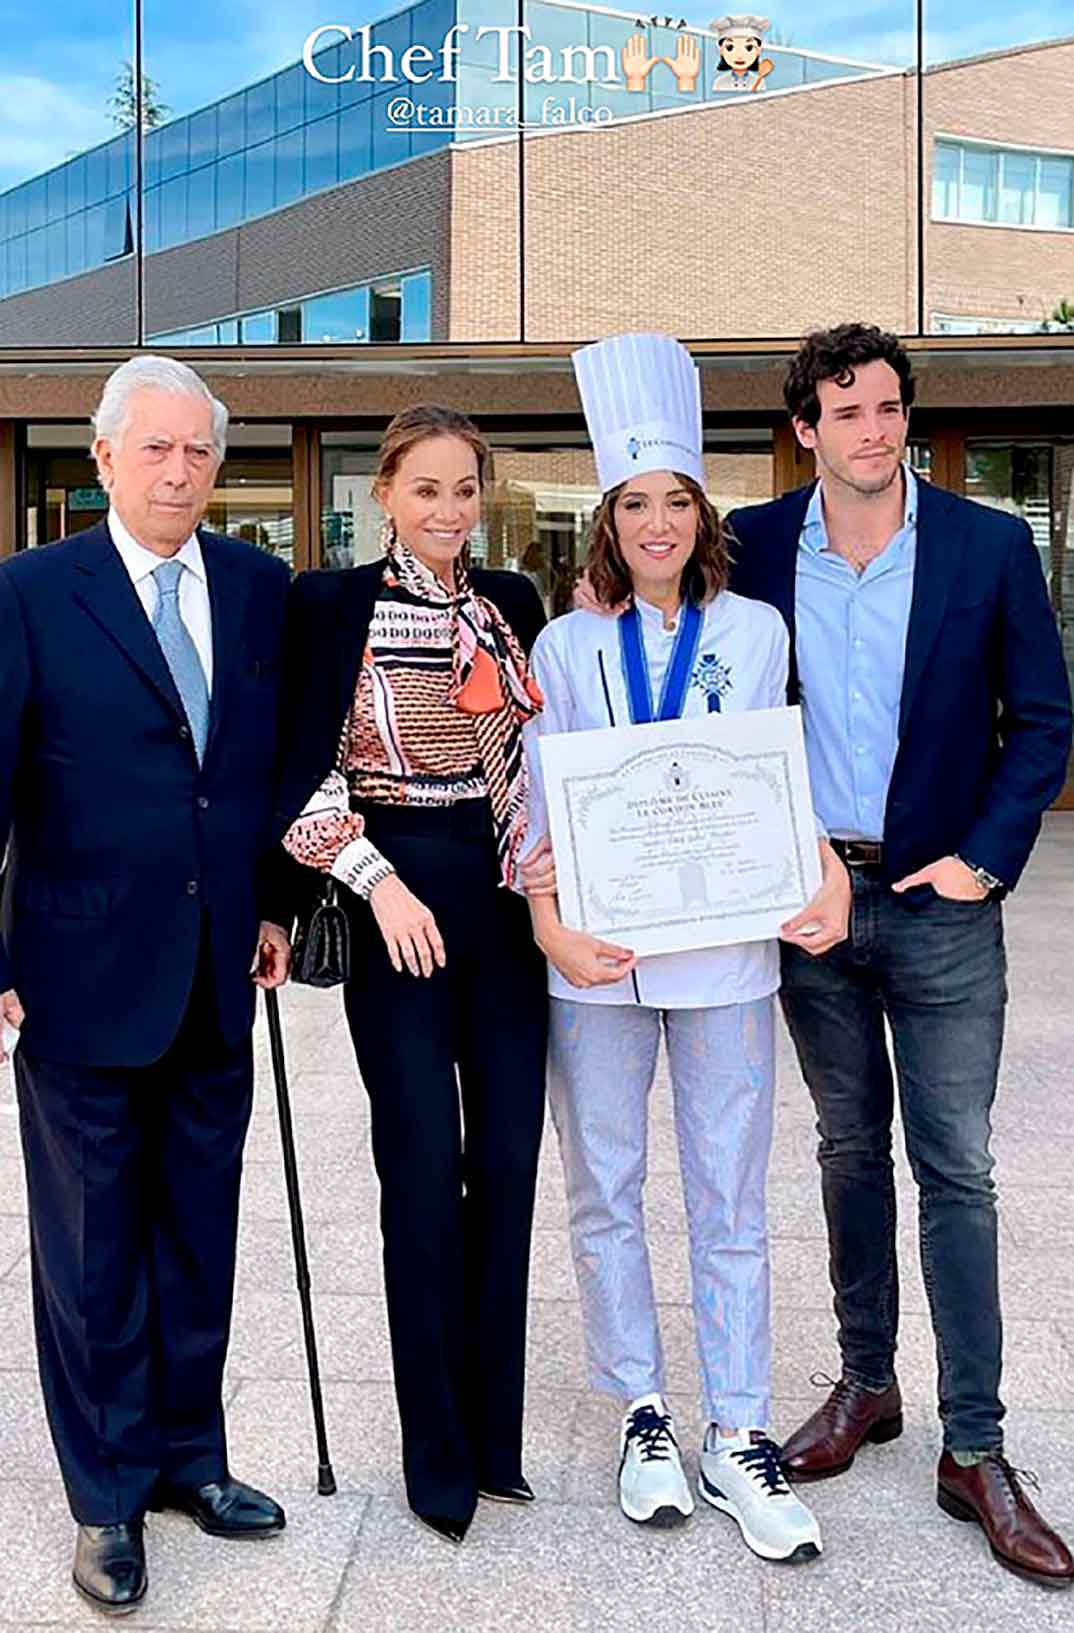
851, 650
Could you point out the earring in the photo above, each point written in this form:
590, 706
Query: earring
388, 535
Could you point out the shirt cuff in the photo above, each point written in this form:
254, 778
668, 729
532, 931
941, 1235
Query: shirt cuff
361, 867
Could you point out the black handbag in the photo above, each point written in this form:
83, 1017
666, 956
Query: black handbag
321, 944
321, 947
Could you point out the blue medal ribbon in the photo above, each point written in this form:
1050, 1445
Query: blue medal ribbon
636, 669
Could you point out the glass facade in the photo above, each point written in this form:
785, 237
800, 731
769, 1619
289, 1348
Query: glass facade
606, 170
385, 312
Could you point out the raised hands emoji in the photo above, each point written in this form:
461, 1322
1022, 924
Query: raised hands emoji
637, 63
686, 63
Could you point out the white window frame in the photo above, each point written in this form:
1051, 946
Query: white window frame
999, 149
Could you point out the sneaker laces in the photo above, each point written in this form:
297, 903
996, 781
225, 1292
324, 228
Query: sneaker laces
652, 1431
761, 1460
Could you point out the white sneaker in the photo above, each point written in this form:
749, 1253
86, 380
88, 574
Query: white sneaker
652, 1487
741, 1476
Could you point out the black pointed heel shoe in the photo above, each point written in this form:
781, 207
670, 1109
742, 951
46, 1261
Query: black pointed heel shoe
522, 1493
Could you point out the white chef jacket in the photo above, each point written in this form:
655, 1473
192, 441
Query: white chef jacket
743, 653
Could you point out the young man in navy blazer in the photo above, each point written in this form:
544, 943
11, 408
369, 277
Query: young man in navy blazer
937, 719
138, 665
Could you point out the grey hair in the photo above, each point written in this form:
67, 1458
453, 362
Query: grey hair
157, 374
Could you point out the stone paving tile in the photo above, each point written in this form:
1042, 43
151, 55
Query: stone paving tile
25, 1447
344, 1256
267, 1342
270, 1436
16, 1325
12, 1184
558, 1569
286, 1585
14, 1242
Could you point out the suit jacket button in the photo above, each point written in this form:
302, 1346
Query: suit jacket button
192, 888
203, 803
184, 732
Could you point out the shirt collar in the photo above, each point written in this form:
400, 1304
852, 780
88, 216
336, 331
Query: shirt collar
814, 527
140, 562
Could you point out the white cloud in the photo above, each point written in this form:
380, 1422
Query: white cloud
42, 123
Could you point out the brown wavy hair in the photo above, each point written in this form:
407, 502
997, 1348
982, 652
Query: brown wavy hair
418, 424
704, 575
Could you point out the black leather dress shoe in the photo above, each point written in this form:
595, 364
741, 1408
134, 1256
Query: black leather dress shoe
223, 1508
109, 1569
522, 1493
450, 1530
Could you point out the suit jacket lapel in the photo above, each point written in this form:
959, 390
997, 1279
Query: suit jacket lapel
229, 591
364, 585
104, 589
784, 574
941, 544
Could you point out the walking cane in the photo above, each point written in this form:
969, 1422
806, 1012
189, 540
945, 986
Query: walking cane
326, 1480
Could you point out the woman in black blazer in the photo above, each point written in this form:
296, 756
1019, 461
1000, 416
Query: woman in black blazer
407, 686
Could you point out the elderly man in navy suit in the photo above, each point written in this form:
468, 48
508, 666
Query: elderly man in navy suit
937, 721
138, 669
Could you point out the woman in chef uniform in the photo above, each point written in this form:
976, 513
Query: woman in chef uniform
681, 645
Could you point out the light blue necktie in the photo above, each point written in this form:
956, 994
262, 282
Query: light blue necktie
180, 653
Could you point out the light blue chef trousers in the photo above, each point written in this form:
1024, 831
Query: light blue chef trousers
602, 1058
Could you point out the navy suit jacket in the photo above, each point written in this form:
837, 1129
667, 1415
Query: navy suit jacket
121, 846
985, 716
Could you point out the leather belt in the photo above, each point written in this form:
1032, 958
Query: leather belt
859, 853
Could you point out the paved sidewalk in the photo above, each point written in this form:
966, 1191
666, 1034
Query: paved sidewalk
357, 1561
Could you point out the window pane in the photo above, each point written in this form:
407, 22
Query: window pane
290, 94
231, 125
260, 111
120, 165
16, 211
16, 264
259, 179
321, 99
1054, 193
117, 228
173, 212
342, 317
289, 325
56, 250
96, 175
390, 144
152, 150
56, 194
202, 138
417, 306
385, 318
151, 212
1018, 174
229, 174
75, 227
978, 185
35, 203
355, 140
76, 184
201, 202
36, 265
95, 236
321, 155
259, 329
945, 181
174, 151
288, 167
227, 332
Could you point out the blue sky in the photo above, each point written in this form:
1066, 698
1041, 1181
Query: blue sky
57, 75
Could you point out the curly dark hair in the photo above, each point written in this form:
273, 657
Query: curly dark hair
833, 354
704, 575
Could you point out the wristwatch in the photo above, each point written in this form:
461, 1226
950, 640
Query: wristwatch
986, 880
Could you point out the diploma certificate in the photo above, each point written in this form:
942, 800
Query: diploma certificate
682, 834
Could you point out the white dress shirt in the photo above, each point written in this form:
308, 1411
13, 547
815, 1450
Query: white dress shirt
193, 586
742, 654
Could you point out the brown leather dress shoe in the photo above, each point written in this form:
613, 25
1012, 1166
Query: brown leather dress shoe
991, 1494
827, 1443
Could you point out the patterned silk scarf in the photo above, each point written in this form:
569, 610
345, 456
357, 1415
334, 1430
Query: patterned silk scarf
491, 682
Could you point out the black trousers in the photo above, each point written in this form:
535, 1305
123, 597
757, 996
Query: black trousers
454, 1065
133, 1181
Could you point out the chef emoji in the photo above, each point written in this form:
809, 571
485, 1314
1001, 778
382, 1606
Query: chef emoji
741, 63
